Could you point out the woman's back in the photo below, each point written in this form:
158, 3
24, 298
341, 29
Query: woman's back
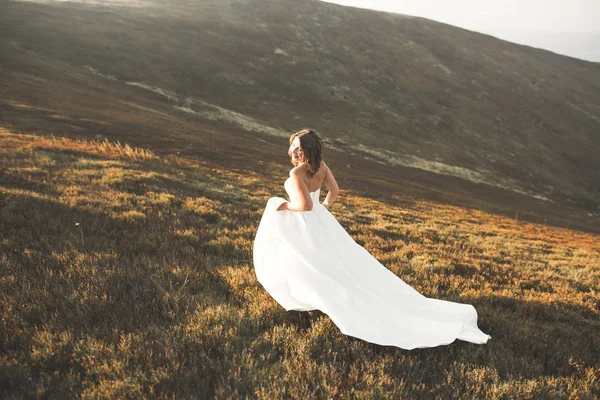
316, 181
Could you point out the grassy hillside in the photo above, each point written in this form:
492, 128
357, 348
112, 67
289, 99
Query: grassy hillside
127, 273
405, 91
44, 93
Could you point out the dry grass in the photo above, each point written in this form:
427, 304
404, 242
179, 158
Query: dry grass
125, 274
84, 146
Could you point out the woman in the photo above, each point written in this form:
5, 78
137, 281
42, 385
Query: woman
306, 260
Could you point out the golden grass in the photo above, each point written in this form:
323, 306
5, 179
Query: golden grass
124, 274
85, 146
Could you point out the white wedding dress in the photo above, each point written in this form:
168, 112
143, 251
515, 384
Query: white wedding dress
307, 261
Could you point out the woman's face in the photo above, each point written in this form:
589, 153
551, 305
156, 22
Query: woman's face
296, 151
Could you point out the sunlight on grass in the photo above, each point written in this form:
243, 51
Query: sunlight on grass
125, 274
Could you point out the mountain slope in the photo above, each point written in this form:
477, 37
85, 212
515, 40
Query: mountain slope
126, 271
407, 89
399, 90
128, 274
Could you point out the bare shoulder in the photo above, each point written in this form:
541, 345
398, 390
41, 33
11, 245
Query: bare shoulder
299, 172
326, 169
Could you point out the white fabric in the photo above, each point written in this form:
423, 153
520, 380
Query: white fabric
307, 261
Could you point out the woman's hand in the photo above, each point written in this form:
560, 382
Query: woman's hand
326, 205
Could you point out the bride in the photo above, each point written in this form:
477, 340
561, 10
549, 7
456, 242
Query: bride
307, 261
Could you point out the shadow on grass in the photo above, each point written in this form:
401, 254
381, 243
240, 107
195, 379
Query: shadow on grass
534, 338
10, 181
105, 274
530, 339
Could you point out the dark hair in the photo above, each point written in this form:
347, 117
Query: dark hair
312, 149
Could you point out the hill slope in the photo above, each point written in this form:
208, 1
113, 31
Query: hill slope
126, 271
405, 91
129, 274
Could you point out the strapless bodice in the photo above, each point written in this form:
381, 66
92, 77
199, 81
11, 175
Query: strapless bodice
291, 194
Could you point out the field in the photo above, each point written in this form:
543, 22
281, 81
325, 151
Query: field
127, 273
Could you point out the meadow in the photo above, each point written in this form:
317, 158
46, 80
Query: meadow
125, 273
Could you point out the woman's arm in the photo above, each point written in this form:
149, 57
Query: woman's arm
332, 187
302, 201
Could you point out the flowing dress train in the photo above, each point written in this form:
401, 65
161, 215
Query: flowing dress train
307, 261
